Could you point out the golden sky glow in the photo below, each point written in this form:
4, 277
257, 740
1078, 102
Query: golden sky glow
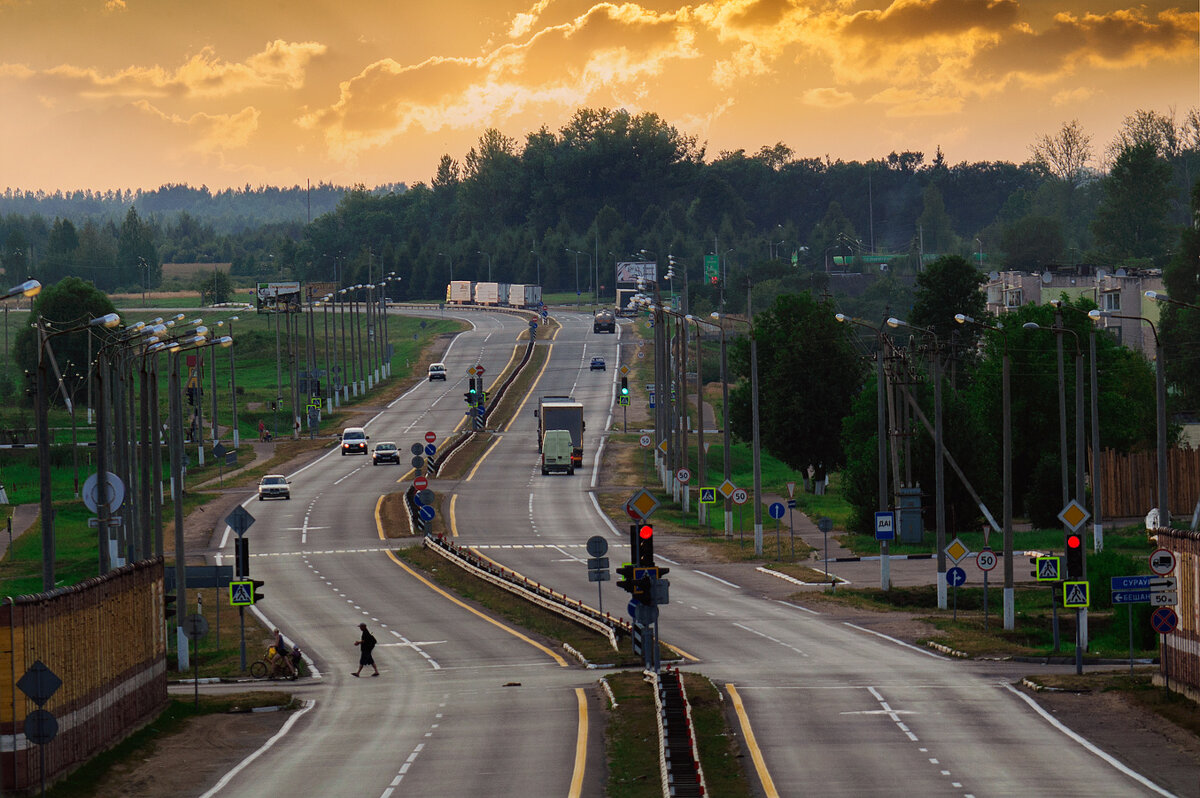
136, 93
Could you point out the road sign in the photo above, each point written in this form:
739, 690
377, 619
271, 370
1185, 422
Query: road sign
1162, 561
1048, 569
726, 488
195, 626
418, 461
740, 496
644, 441
956, 576
40, 727
708, 495
791, 486
1131, 582
39, 682
957, 550
241, 594
684, 476
641, 505
426, 512
776, 510
479, 370
986, 559
219, 450
1074, 515
1164, 599
1076, 595
430, 436
623, 401
1164, 620
597, 545
885, 525
662, 446
1131, 597
430, 450
420, 483
791, 503
425, 496
624, 370
239, 520
91, 492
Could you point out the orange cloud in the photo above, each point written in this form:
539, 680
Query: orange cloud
209, 133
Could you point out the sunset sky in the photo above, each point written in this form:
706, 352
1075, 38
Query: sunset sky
136, 93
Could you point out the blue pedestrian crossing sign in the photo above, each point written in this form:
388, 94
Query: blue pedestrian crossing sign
708, 495
1075, 595
241, 594
1048, 569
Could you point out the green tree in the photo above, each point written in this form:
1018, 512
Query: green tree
1180, 326
71, 302
1131, 221
135, 246
945, 287
808, 373
214, 287
1031, 242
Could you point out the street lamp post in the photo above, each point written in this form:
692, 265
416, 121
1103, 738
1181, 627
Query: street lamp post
939, 457
577, 253
1006, 416
450, 260
1160, 380
489, 257
885, 569
1094, 382
537, 256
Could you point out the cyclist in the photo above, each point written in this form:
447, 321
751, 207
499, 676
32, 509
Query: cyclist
283, 658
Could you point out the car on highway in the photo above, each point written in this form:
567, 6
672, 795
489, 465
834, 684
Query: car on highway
437, 371
385, 452
598, 364
354, 441
274, 486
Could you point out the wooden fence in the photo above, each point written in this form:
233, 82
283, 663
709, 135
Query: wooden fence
105, 639
1129, 482
1181, 648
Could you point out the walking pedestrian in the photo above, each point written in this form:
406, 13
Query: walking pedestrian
366, 647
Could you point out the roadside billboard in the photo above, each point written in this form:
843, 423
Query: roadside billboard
275, 297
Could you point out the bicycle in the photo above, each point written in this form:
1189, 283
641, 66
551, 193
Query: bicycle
270, 667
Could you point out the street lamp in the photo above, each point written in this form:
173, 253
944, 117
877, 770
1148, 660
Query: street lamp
980, 243
451, 261
577, 254
108, 321
1164, 516
885, 575
489, 257
538, 257
754, 427
939, 457
1097, 498
1006, 415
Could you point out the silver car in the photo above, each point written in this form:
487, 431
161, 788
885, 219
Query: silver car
274, 486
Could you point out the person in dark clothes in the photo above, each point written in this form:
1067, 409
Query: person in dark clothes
366, 647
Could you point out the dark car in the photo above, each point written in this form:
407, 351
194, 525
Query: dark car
385, 452
598, 364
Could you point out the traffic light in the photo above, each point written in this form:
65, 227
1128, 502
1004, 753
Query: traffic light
624, 386
1033, 572
645, 545
643, 590
168, 610
256, 590
191, 395
626, 580
470, 394
241, 551
1074, 545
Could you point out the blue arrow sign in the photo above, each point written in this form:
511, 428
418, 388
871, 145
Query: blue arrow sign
1131, 582
776, 510
956, 576
426, 512
1131, 596
430, 449
791, 504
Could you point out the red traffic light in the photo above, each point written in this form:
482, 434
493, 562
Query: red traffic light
1074, 541
645, 532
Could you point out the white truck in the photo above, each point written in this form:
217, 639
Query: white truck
516, 295
562, 413
460, 292
487, 293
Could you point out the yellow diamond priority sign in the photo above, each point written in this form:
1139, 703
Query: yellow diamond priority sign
956, 550
726, 488
642, 503
1073, 515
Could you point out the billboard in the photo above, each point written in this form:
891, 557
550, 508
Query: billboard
315, 291
629, 272
274, 297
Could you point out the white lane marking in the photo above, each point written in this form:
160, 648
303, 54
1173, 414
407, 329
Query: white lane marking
433, 663
603, 515
895, 716
1138, 777
220, 785
894, 640
719, 579
798, 607
772, 639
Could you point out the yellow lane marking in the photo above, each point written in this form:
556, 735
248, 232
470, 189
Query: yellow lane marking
453, 523
561, 662
379, 519
580, 746
755, 752
516, 415
683, 653
483, 457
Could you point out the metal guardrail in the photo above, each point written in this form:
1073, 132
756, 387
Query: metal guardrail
559, 603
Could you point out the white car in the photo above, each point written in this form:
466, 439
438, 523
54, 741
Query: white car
354, 441
274, 486
437, 371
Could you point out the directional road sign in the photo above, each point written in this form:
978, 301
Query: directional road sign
1076, 595
1164, 620
426, 512
1131, 597
776, 510
955, 576
1048, 569
885, 525
430, 449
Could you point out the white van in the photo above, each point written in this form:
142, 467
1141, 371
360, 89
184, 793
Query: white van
437, 371
556, 451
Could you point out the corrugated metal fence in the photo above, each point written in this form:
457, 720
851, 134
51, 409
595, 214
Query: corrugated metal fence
105, 639
1130, 482
1181, 648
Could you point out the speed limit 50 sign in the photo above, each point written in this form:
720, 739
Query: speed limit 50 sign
986, 559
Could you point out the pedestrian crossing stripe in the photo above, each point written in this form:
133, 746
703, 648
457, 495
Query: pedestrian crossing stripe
1047, 569
1075, 595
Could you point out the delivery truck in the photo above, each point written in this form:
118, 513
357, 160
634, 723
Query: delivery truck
562, 413
460, 292
487, 293
557, 452
605, 321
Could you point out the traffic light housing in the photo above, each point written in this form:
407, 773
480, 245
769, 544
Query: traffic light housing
645, 545
470, 395
626, 580
241, 552
191, 395
256, 594
643, 590
1074, 546
1033, 571
168, 610
624, 386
